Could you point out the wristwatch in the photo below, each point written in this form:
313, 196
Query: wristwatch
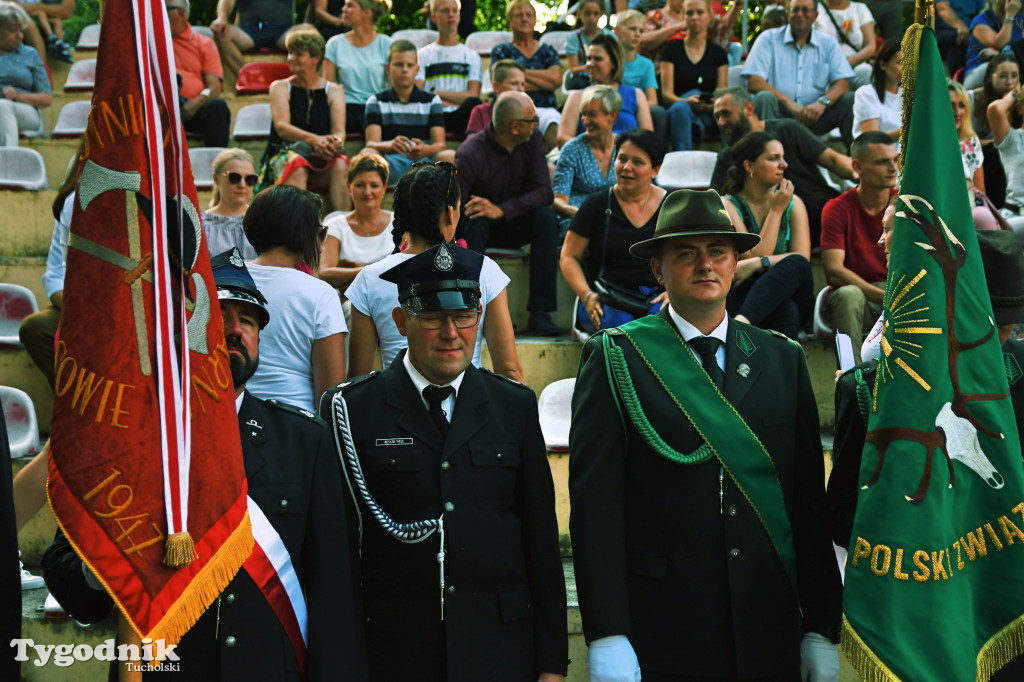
825, 100
766, 263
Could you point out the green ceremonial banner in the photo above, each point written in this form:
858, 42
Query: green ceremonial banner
935, 574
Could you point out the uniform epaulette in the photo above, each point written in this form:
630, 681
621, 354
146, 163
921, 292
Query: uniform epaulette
355, 381
273, 402
779, 334
505, 378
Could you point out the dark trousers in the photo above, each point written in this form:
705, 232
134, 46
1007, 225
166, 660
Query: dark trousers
213, 122
839, 114
954, 54
457, 121
37, 332
888, 16
355, 118
539, 229
781, 298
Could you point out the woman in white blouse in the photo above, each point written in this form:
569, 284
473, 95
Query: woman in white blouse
879, 104
853, 26
362, 236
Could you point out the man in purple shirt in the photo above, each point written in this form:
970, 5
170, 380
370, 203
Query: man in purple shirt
506, 194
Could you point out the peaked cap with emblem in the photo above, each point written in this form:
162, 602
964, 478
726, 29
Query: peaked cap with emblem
234, 283
693, 213
444, 277
1003, 260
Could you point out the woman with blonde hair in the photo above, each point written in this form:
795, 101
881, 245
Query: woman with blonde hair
234, 177
356, 59
363, 236
972, 155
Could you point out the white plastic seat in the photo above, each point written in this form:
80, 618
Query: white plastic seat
16, 303
81, 77
89, 39
20, 415
420, 37
555, 409
686, 170
203, 30
482, 42
577, 332
72, 119
253, 122
22, 168
557, 40
202, 165
486, 87
735, 80
821, 329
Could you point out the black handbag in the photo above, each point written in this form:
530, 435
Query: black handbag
580, 80
627, 299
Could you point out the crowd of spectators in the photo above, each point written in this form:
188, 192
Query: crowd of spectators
541, 155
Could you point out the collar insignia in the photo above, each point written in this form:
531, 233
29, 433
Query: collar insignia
744, 343
743, 370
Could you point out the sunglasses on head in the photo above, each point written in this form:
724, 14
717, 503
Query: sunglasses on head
443, 165
235, 178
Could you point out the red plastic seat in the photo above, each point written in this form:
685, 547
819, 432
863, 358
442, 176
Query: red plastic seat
255, 78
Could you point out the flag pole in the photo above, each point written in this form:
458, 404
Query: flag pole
924, 12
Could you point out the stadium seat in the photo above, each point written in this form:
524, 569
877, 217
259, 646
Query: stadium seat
16, 303
555, 407
735, 80
960, 75
686, 170
420, 37
252, 122
557, 40
22, 428
81, 77
255, 78
202, 165
203, 31
22, 168
72, 119
821, 329
486, 87
89, 39
577, 332
482, 42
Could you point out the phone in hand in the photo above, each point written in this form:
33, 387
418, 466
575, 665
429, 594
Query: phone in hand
844, 349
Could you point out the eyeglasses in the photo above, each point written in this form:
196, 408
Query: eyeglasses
443, 165
802, 10
176, 8
534, 121
463, 319
235, 178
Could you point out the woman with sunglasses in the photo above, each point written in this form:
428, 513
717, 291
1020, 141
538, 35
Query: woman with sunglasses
427, 208
234, 176
302, 348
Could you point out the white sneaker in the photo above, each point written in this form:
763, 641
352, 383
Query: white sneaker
28, 580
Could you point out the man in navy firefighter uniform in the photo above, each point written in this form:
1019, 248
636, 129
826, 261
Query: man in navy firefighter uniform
293, 475
461, 574
696, 478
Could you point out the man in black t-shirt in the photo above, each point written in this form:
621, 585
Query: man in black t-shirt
806, 155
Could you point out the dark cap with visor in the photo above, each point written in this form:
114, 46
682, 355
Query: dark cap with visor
234, 283
444, 277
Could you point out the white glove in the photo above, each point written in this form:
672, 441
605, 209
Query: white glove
612, 659
819, 659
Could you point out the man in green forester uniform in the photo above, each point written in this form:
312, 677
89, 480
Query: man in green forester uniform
696, 478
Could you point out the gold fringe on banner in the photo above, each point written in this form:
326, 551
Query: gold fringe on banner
1004, 646
911, 50
180, 550
203, 589
863, 659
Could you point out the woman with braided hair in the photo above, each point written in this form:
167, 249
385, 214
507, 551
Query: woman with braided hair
426, 212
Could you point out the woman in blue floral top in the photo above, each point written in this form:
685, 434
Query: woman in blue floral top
24, 85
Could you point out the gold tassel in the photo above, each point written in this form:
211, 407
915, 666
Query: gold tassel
911, 50
863, 659
180, 550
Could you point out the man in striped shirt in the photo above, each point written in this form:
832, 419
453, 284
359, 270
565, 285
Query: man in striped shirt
450, 69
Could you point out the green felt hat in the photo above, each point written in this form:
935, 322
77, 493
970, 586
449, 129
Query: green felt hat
693, 213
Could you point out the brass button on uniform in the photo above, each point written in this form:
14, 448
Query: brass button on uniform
230, 599
499, 456
284, 503
451, 589
445, 466
448, 506
229, 641
734, 552
733, 511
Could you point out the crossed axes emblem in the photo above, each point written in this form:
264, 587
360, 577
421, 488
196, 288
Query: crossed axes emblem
137, 266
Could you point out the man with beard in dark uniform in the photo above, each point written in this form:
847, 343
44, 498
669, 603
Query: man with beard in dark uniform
293, 477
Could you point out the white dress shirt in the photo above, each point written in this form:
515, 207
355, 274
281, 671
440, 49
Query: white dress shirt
420, 382
688, 332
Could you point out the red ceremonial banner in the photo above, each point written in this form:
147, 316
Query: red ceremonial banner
146, 474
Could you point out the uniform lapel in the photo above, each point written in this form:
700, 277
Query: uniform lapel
469, 415
412, 414
742, 366
252, 425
